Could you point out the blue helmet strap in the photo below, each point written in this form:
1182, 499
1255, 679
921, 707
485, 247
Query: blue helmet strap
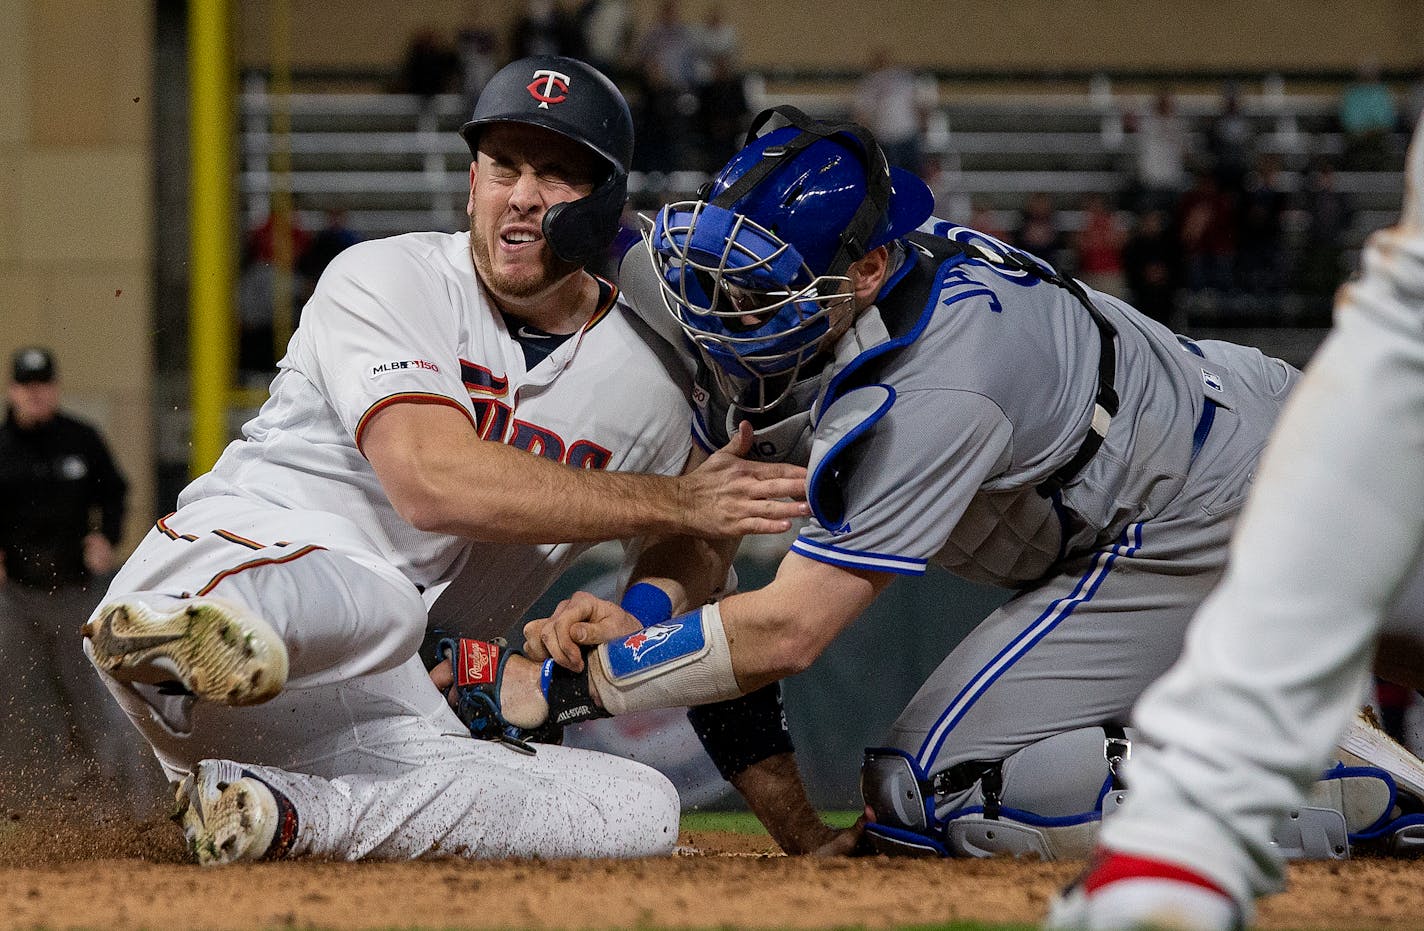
873, 205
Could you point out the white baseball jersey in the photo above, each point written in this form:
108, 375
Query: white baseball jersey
426, 332
293, 523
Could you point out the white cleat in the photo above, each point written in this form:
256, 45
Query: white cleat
215, 649
228, 814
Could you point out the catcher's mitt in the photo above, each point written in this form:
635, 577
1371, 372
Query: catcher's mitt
479, 671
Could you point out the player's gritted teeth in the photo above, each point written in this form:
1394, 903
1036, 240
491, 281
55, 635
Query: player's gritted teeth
518, 237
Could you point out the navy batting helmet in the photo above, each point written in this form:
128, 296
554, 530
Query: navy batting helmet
573, 99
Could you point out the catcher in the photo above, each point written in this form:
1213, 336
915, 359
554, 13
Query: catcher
956, 401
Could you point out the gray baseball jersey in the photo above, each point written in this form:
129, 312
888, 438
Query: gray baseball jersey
937, 423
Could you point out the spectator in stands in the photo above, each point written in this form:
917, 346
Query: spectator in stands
1039, 231
888, 103
259, 276
62, 517
662, 94
668, 50
1230, 141
606, 29
1206, 233
722, 114
477, 46
660, 119
1329, 214
1261, 252
1099, 243
717, 43
328, 242
544, 29
430, 66
985, 219
1367, 116
1161, 149
1149, 263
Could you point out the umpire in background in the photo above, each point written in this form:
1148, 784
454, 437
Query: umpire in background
63, 513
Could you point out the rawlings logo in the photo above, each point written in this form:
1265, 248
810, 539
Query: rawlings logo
650, 638
478, 662
549, 87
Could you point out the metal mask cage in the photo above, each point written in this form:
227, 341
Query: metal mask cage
756, 365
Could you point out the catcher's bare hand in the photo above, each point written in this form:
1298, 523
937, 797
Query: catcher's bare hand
582, 620
729, 496
844, 842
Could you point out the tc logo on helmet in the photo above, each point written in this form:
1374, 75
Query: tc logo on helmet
549, 87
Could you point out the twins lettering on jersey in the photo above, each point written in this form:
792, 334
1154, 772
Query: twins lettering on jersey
495, 420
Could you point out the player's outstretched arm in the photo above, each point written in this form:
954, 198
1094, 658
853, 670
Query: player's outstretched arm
746, 640
672, 574
776, 794
440, 476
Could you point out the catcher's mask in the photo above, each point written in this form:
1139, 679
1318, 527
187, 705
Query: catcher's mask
573, 99
753, 267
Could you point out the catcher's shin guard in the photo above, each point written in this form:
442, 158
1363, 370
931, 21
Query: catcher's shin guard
1044, 801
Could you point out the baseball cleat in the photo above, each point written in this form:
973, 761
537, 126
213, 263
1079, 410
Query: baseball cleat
228, 814
212, 648
1124, 893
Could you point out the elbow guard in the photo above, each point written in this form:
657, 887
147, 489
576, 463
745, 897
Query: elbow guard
743, 731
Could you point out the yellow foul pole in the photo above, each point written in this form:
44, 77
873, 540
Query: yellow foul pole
212, 232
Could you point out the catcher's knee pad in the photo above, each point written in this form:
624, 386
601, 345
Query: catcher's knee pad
1044, 801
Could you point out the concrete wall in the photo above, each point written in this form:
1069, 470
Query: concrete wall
75, 211
1005, 34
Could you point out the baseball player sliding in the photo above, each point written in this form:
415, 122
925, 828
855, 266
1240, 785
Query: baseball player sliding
441, 393
1278, 658
956, 401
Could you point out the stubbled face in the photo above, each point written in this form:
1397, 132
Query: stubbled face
35, 402
520, 173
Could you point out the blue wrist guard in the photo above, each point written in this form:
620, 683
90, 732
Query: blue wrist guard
648, 603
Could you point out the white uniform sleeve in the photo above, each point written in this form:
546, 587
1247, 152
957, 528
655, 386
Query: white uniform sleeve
907, 481
382, 326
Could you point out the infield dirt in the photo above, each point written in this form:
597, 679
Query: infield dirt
126, 876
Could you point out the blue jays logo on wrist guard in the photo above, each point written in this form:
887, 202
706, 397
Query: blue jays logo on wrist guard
655, 646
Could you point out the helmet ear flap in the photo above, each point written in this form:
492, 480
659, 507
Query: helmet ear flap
580, 231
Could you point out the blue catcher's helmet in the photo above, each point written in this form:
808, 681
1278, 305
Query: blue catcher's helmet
753, 267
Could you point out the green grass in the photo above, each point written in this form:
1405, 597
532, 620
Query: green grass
744, 822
